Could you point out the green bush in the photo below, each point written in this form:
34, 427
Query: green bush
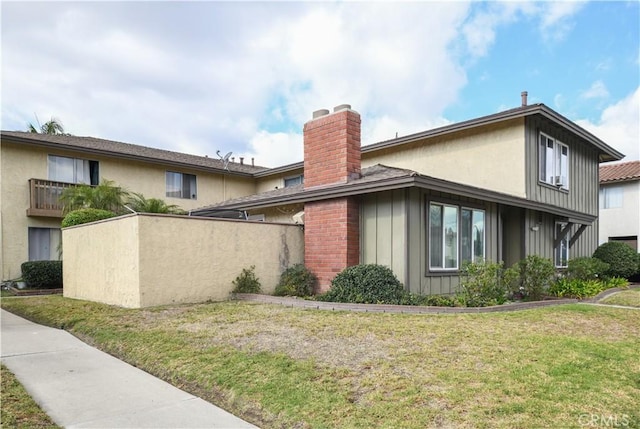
531, 277
622, 259
432, 300
296, 281
481, 284
366, 284
586, 268
617, 282
247, 282
42, 274
80, 216
577, 288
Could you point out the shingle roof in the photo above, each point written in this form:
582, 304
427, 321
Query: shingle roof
622, 172
368, 175
127, 150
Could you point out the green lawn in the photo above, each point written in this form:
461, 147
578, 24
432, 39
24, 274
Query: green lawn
630, 298
281, 367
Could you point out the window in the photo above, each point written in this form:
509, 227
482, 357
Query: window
295, 180
553, 162
180, 185
44, 244
561, 252
611, 197
455, 234
73, 170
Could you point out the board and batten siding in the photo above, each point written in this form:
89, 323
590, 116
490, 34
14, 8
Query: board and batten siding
582, 195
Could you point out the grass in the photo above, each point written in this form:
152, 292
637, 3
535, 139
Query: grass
629, 298
284, 367
18, 409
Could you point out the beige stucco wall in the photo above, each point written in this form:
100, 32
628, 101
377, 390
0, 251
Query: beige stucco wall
273, 181
490, 157
101, 262
173, 259
19, 163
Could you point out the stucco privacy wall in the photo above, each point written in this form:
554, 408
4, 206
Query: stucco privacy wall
147, 260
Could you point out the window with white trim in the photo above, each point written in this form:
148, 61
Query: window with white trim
553, 162
611, 197
456, 234
181, 185
561, 252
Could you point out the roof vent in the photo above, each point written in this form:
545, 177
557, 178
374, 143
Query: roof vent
524, 94
341, 107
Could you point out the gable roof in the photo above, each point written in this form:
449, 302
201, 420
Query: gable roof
92, 145
606, 152
622, 172
379, 178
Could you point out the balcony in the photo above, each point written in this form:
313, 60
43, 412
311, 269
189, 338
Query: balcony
44, 198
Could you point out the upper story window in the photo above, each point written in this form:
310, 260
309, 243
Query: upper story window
611, 197
73, 170
181, 185
455, 234
294, 180
553, 162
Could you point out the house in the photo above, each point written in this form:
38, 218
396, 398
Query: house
499, 187
620, 203
35, 168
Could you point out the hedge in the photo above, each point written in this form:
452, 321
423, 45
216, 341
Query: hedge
42, 274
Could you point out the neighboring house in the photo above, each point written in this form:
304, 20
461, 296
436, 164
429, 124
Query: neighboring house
620, 203
500, 187
35, 168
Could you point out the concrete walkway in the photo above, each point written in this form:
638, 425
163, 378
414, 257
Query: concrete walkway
79, 386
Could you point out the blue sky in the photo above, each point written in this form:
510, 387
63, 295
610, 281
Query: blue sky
198, 77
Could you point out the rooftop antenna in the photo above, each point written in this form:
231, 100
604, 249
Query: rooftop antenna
224, 159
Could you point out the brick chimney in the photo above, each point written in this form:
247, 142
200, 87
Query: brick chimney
332, 227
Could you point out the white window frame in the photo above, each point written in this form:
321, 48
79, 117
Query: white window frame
553, 162
458, 236
177, 189
563, 246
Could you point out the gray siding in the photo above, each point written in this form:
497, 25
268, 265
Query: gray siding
582, 195
384, 232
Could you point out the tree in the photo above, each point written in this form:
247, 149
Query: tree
53, 126
138, 203
105, 196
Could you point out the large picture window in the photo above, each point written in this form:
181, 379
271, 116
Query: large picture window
456, 234
553, 162
180, 185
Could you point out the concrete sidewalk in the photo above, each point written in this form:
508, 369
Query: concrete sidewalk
79, 386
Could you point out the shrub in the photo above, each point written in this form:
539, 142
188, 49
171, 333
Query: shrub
432, 300
42, 274
577, 288
366, 284
617, 282
586, 268
622, 259
296, 281
530, 277
247, 282
481, 284
80, 216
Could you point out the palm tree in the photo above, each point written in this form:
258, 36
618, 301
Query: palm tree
138, 203
53, 126
105, 196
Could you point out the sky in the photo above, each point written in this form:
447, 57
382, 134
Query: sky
243, 77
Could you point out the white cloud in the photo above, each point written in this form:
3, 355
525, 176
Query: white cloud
597, 90
556, 16
619, 126
276, 149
